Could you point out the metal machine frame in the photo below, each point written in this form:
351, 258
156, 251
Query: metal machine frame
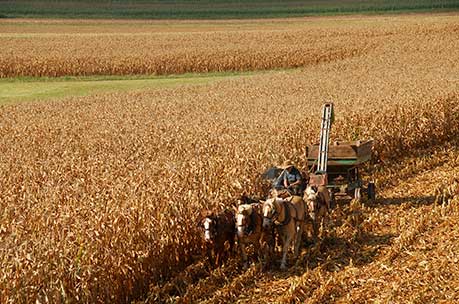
337, 165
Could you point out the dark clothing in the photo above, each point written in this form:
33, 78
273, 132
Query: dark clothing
291, 177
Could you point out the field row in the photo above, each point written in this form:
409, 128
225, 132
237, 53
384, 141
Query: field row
400, 248
151, 49
183, 9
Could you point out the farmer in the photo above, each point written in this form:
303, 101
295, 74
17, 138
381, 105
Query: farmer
290, 179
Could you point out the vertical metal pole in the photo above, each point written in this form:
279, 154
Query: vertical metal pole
327, 114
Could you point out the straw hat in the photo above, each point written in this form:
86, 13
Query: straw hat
286, 164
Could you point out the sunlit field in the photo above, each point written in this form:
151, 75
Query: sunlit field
99, 194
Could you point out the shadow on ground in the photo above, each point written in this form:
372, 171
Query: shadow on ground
345, 242
412, 201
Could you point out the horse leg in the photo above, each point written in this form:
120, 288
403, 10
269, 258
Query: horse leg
299, 233
322, 223
267, 247
225, 254
231, 244
325, 220
267, 252
258, 250
210, 256
244, 255
217, 257
286, 244
271, 246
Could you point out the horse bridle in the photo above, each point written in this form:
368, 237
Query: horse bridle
212, 232
247, 228
311, 204
275, 215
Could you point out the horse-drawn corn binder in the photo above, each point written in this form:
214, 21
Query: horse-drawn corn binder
337, 165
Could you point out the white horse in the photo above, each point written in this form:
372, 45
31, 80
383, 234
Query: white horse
249, 229
287, 215
317, 201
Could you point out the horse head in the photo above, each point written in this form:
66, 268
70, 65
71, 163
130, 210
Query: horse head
243, 214
312, 201
273, 193
270, 212
209, 223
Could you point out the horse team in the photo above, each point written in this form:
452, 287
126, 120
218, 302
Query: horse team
280, 219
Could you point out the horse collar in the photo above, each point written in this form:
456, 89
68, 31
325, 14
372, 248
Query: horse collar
216, 221
251, 226
287, 216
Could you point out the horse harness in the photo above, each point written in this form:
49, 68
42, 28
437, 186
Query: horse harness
316, 203
287, 218
212, 230
252, 225
215, 219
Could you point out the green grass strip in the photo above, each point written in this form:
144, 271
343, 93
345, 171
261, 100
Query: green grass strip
13, 90
213, 9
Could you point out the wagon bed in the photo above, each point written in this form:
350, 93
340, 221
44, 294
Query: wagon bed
342, 153
344, 160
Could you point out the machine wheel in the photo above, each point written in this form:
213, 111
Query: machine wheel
371, 192
357, 194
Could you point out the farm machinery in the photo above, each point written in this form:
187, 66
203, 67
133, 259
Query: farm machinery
337, 165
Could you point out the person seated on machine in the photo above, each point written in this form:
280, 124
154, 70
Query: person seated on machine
290, 180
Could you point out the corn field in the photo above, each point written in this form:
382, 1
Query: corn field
79, 49
99, 194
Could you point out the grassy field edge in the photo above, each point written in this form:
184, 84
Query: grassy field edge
21, 89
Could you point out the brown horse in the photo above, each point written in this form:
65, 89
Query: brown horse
317, 201
287, 215
249, 230
218, 230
